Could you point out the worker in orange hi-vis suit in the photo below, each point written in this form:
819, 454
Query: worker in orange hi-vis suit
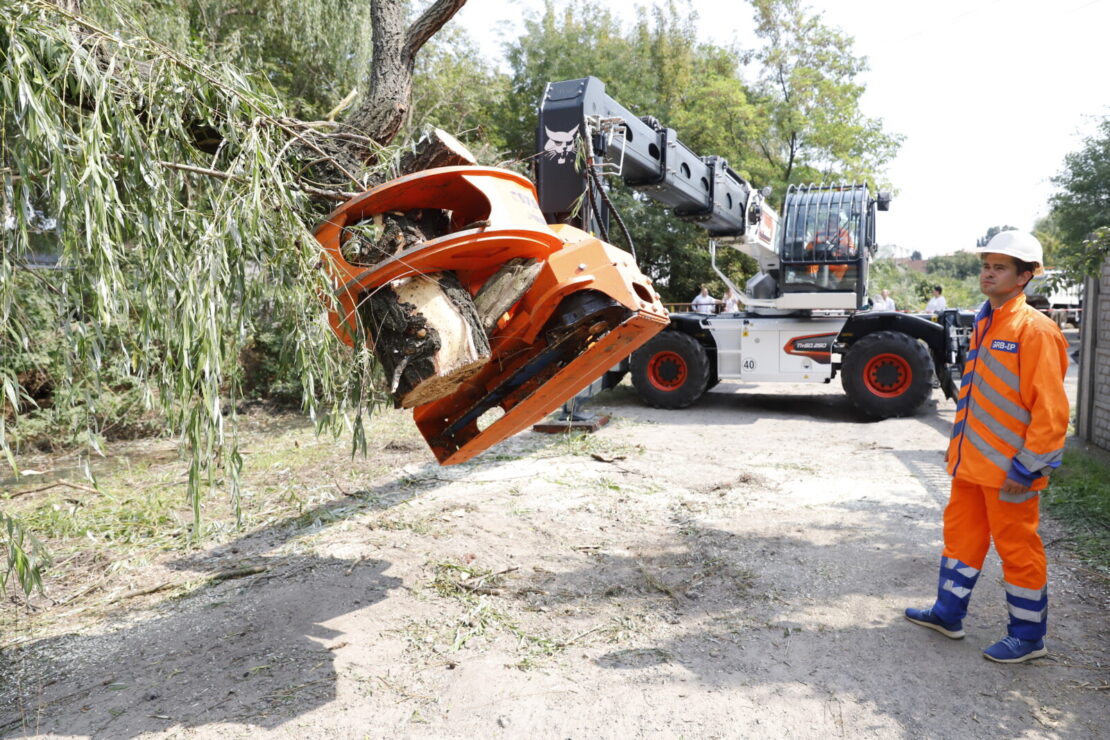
1010, 425
838, 243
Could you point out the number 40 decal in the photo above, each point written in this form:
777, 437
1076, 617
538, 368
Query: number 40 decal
749, 364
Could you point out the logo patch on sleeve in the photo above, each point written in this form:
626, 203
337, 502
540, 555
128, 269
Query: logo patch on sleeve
1003, 346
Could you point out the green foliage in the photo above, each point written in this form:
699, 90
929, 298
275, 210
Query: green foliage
809, 92
24, 558
963, 293
61, 403
168, 253
579, 38
958, 275
907, 287
911, 289
454, 88
1048, 233
1083, 204
310, 53
958, 266
267, 359
1081, 209
1079, 497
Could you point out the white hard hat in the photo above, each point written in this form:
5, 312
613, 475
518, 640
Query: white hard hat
1017, 244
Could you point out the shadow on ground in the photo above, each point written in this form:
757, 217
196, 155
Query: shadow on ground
818, 614
240, 651
246, 646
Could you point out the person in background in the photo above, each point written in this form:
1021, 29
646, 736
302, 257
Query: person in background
884, 302
703, 302
1008, 437
732, 302
937, 303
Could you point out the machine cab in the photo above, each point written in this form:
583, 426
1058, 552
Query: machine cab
824, 236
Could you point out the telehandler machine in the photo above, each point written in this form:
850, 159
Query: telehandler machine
805, 316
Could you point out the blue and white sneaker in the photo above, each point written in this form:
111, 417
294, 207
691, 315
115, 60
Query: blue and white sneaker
1012, 649
926, 618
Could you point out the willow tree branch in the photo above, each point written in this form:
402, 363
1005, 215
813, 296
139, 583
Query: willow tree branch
202, 171
428, 24
196, 68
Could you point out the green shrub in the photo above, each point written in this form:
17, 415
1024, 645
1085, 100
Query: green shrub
51, 403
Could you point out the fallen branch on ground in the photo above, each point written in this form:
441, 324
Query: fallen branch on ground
55, 484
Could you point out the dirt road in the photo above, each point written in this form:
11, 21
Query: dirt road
738, 569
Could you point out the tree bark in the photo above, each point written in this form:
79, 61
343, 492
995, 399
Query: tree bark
385, 107
427, 336
387, 235
503, 289
424, 330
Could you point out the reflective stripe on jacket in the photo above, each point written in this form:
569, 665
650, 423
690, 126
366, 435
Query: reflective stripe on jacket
1012, 414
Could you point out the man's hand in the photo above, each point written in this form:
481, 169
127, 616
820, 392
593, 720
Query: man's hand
1012, 486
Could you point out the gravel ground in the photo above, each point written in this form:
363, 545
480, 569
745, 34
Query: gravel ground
736, 569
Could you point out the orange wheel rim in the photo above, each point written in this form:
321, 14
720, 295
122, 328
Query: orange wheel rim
887, 375
667, 370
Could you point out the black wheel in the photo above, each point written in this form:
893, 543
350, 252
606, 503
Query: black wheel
887, 373
671, 371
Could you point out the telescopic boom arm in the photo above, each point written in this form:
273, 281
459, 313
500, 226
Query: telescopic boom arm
649, 158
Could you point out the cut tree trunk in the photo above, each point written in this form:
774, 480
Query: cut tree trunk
427, 336
504, 288
388, 234
437, 149
425, 330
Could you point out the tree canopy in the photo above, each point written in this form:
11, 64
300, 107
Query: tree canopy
808, 92
958, 266
176, 195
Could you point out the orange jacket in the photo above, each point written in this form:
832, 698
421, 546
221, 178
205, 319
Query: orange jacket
1012, 414
840, 246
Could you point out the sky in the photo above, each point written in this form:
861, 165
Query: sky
990, 96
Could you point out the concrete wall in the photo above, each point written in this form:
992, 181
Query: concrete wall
1092, 421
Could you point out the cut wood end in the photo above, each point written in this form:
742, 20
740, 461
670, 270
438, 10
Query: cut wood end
436, 388
455, 145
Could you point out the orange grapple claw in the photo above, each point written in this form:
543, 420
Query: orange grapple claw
589, 307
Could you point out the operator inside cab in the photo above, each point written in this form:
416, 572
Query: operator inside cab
831, 243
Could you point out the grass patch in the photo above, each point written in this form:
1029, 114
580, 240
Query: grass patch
128, 510
477, 590
1079, 498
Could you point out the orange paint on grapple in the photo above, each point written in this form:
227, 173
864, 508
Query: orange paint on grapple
511, 225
